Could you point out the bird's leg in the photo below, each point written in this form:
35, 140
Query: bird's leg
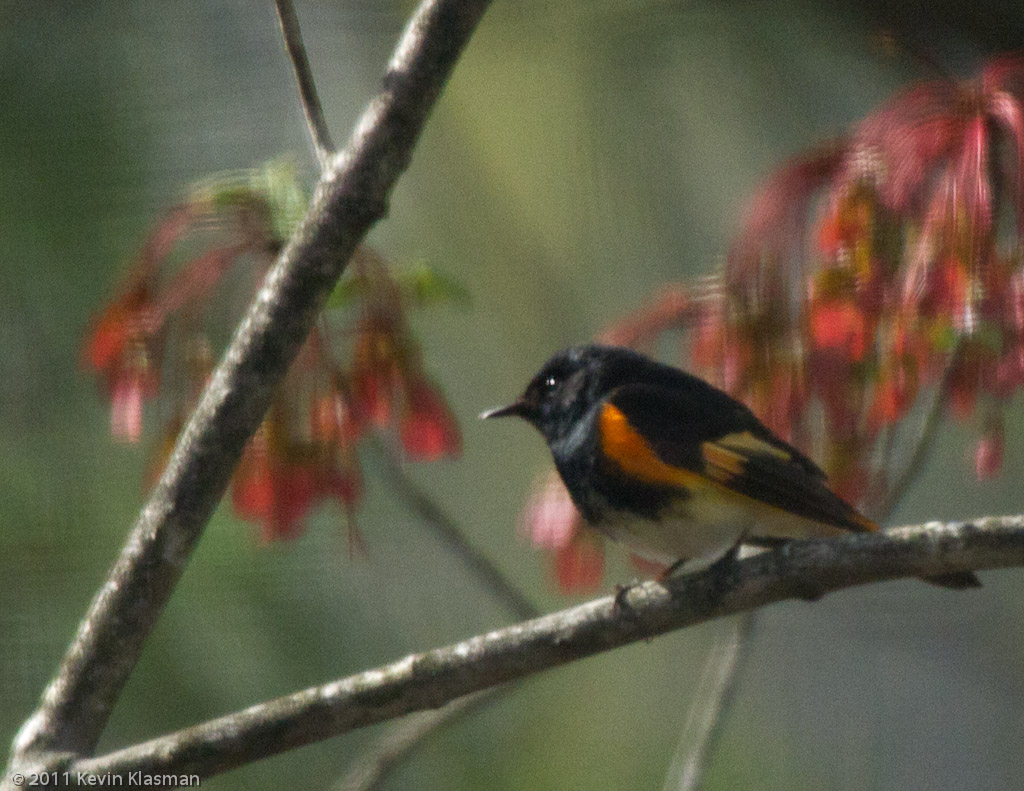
619, 603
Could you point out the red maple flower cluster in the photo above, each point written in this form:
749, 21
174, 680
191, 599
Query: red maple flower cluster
909, 278
883, 266
154, 340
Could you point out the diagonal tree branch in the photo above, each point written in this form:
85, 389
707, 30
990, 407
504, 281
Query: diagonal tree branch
319, 134
351, 196
430, 679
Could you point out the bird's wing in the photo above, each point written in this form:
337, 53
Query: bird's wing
687, 437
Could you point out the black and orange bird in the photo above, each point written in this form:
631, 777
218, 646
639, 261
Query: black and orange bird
673, 467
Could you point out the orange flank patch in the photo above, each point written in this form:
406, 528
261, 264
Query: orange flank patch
621, 443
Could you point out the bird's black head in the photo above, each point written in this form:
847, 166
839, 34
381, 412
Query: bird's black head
572, 382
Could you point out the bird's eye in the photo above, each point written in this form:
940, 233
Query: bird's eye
551, 383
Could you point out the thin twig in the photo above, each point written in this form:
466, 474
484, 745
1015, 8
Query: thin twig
319, 134
372, 766
350, 197
701, 735
878, 486
714, 693
923, 445
476, 562
918, 456
427, 680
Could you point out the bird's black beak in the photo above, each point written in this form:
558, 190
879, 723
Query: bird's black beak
516, 408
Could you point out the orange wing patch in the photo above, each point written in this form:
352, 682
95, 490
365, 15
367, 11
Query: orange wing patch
727, 456
745, 442
727, 462
621, 443
723, 464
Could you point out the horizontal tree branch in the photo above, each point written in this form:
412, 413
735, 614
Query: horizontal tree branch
351, 196
431, 679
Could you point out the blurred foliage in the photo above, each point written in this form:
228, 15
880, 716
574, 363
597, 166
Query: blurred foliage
583, 154
421, 286
275, 184
154, 341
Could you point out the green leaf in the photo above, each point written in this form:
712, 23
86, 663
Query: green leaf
278, 183
944, 337
989, 335
273, 188
348, 291
424, 286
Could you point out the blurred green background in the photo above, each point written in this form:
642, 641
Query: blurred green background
583, 154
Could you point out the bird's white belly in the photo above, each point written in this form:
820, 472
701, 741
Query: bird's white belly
702, 527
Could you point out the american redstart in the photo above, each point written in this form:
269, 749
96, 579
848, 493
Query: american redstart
673, 467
